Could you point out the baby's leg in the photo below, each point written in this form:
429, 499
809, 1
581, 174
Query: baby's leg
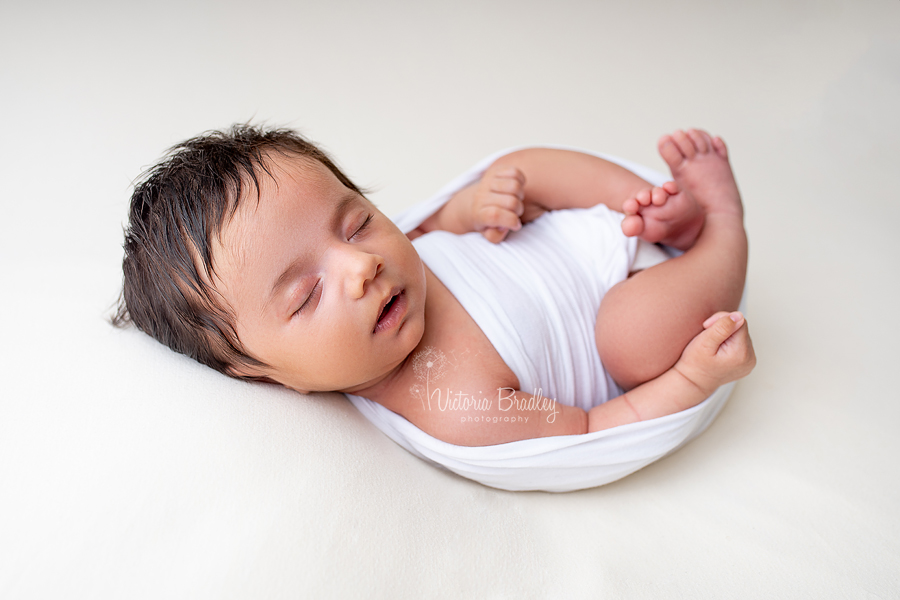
645, 322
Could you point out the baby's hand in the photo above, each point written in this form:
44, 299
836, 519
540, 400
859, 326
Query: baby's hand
721, 353
498, 202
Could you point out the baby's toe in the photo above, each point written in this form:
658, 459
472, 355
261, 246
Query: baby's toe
631, 207
644, 197
632, 225
670, 152
720, 147
699, 141
685, 144
659, 196
671, 187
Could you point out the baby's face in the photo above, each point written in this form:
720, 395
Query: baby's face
325, 288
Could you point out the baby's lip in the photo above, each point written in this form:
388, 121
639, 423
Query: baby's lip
396, 290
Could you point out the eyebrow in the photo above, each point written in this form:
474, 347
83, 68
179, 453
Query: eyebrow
340, 210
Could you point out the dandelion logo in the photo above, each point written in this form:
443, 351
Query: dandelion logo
429, 365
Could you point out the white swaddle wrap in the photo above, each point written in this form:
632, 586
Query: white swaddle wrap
535, 296
575, 377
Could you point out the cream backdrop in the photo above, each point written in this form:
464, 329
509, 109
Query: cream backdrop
127, 471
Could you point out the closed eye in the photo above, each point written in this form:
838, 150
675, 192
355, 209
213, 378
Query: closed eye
362, 227
316, 291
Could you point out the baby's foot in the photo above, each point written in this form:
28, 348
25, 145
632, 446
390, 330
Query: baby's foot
663, 214
699, 164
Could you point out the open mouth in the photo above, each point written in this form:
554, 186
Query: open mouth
391, 313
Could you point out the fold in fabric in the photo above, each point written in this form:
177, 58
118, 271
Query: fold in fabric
554, 464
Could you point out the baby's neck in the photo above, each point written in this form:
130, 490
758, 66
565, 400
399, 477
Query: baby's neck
381, 389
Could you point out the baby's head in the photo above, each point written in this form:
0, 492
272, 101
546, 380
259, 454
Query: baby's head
251, 252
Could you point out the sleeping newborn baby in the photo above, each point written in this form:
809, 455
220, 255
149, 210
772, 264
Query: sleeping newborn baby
250, 251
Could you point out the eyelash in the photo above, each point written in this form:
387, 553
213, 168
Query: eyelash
362, 227
312, 294
309, 298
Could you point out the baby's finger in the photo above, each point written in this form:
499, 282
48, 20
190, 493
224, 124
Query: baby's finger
495, 235
748, 354
508, 202
511, 173
507, 185
721, 330
714, 318
497, 218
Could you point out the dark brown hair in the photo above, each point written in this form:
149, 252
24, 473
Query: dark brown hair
177, 207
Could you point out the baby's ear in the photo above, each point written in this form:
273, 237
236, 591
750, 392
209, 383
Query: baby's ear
251, 374
243, 372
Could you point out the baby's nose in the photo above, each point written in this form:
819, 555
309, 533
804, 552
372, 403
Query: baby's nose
362, 267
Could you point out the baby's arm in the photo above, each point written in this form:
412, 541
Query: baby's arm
521, 186
504, 415
721, 353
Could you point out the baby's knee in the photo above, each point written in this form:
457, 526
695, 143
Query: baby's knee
631, 345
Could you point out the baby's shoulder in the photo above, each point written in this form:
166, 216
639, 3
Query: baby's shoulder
445, 369
454, 361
